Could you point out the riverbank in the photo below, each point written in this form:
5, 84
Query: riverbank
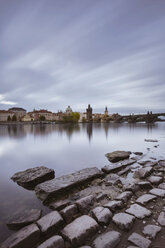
120, 204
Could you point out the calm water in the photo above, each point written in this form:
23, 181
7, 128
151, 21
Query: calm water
65, 148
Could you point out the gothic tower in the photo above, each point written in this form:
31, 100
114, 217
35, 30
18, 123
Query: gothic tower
89, 113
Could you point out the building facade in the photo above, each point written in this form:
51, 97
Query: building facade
19, 112
6, 115
42, 114
89, 113
68, 110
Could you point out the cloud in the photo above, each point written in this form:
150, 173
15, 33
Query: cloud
5, 102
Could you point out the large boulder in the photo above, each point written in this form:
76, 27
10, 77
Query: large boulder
33, 176
117, 156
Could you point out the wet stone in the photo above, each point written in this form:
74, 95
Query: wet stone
24, 218
50, 223
162, 186
54, 242
112, 179
132, 246
85, 203
78, 231
145, 185
151, 140
32, 177
144, 172
161, 219
157, 192
28, 236
117, 166
138, 153
113, 205
155, 180
117, 156
144, 199
139, 240
60, 204
59, 185
162, 163
107, 240
138, 211
69, 213
101, 197
86, 246
123, 221
151, 230
124, 196
102, 215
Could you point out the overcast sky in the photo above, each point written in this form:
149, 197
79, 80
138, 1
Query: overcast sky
55, 53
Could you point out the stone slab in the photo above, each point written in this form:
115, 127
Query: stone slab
138, 211
151, 140
24, 218
139, 240
151, 230
53, 242
117, 166
33, 176
124, 196
157, 192
102, 215
144, 172
50, 223
155, 180
61, 184
28, 236
117, 156
59, 204
107, 240
162, 186
161, 219
144, 199
85, 203
145, 185
69, 213
79, 230
113, 205
123, 221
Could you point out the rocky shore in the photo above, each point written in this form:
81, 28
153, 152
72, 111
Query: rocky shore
121, 205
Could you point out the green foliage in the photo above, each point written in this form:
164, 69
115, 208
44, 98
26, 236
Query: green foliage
8, 118
14, 118
42, 118
73, 117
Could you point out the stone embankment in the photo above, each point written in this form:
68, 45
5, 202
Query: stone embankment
95, 208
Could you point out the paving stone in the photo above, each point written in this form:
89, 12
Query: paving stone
155, 180
59, 185
117, 166
117, 156
107, 240
162, 163
102, 215
54, 242
144, 199
158, 192
33, 176
111, 179
161, 219
162, 186
101, 197
151, 230
28, 236
138, 211
50, 223
144, 172
85, 203
86, 246
59, 204
113, 205
138, 153
139, 240
124, 196
24, 218
123, 221
69, 213
78, 231
132, 246
145, 185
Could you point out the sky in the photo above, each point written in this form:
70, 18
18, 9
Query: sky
55, 53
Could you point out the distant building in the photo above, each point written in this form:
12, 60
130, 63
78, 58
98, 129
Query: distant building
5, 115
89, 113
27, 117
106, 111
37, 114
57, 116
68, 110
19, 112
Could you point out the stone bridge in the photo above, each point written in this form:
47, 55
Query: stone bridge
148, 118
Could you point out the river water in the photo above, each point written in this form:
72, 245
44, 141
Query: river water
66, 148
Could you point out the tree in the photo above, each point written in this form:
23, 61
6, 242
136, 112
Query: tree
14, 118
72, 118
42, 118
8, 118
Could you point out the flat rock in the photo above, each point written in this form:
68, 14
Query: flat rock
151, 230
151, 140
139, 240
138, 153
124, 196
162, 163
155, 180
101, 197
129, 184
117, 166
145, 185
59, 185
113, 205
158, 192
79, 230
53, 242
24, 218
102, 215
107, 240
33, 176
162, 186
85, 246
111, 179
132, 246
144, 199
144, 172
161, 219
117, 156
50, 223
138, 211
59, 204
69, 213
85, 203
123, 221
28, 236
